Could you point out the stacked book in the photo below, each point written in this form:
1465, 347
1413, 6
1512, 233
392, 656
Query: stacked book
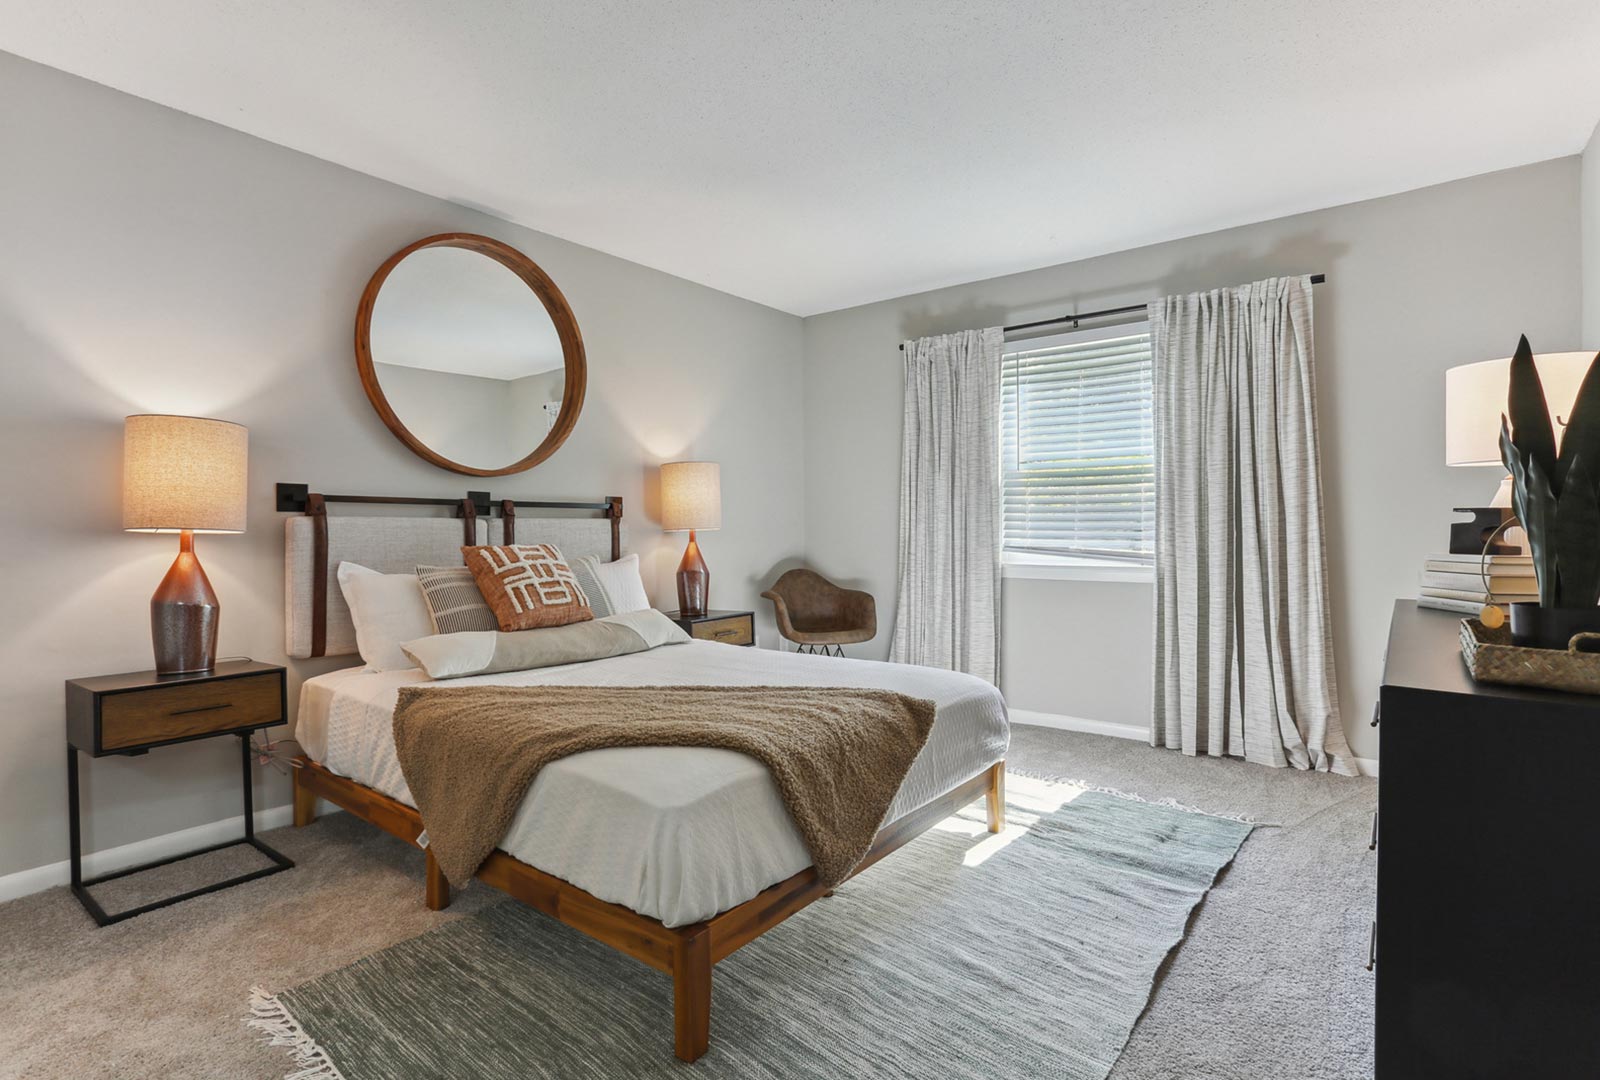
1465, 583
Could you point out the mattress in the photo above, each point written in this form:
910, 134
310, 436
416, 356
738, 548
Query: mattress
676, 833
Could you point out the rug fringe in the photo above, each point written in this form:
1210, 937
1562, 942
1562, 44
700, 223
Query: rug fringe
1168, 803
270, 1016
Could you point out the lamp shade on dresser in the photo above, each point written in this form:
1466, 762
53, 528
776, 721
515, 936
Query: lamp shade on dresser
1475, 397
691, 498
184, 475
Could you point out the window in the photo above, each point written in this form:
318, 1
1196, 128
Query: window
1077, 447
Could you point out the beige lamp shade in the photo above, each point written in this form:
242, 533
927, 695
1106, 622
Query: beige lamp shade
691, 495
183, 472
1475, 399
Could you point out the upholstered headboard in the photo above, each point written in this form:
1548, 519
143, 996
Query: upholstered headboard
316, 618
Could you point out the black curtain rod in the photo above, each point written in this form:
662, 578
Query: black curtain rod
1316, 279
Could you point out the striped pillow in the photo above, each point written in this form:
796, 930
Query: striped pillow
613, 588
454, 600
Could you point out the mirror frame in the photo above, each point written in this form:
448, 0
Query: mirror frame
555, 305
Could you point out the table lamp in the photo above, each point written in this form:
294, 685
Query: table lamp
183, 474
691, 498
1475, 398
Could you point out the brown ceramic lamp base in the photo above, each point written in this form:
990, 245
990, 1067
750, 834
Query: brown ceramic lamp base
694, 581
184, 614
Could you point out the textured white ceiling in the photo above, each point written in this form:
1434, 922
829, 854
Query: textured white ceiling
817, 155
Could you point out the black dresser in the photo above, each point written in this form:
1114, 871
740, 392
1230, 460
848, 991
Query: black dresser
1488, 921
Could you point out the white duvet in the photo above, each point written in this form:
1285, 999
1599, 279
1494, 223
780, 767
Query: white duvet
676, 833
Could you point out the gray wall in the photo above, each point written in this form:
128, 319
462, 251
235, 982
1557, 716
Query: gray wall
150, 261
1591, 242
1417, 283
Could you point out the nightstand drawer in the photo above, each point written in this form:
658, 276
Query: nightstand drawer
733, 631
163, 713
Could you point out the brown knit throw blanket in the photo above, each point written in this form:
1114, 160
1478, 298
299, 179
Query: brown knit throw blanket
837, 755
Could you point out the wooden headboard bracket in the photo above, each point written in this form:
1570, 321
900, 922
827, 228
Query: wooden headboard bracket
317, 509
300, 499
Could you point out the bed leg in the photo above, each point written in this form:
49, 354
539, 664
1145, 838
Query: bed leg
305, 803
996, 797
691, 994
436, 888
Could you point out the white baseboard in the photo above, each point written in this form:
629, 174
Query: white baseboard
1367, 766
26, 882
1078, 723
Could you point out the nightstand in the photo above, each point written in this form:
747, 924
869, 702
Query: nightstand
134, 713
729, 627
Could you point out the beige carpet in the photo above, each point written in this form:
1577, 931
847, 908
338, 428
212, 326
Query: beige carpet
1268, 984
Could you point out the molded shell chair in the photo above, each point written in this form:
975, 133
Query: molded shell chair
819, 616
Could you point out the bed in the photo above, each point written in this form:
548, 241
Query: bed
677, 856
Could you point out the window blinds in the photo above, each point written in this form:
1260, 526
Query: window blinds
1077, 452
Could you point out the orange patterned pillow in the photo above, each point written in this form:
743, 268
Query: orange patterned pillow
527, 586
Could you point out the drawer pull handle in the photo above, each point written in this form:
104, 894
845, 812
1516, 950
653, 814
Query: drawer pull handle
1372, 947
727, 633
1374, 845
201, 708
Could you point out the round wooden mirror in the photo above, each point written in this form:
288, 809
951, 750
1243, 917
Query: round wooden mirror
470, 354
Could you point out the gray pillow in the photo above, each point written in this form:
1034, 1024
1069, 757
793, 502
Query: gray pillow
454, 601
450, 656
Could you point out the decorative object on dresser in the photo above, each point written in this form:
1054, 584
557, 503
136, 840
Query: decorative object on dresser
1466, 583
691, 498
1483, 534
1556, 494
819, 616
1485, 943
134, 713
728, 627
465, 347
183, 474
1492, 657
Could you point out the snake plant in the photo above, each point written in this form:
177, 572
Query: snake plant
1556, 496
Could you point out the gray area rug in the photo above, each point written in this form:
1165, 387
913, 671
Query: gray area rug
1029, 954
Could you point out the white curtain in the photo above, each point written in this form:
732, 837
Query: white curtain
948, 614
1244, 649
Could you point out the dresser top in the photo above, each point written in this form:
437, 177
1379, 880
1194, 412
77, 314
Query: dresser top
140, 680
1425, 654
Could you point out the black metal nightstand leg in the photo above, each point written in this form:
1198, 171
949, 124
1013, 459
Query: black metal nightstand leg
80, 887
74, 824
249, 790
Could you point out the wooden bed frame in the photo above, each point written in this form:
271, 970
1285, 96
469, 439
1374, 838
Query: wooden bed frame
687, 953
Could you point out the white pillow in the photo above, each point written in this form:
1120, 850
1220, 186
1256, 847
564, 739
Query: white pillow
386, 609
613, 588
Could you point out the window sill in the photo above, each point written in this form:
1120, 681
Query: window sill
1043, 568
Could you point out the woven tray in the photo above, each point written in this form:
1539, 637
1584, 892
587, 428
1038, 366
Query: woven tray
1491, 657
